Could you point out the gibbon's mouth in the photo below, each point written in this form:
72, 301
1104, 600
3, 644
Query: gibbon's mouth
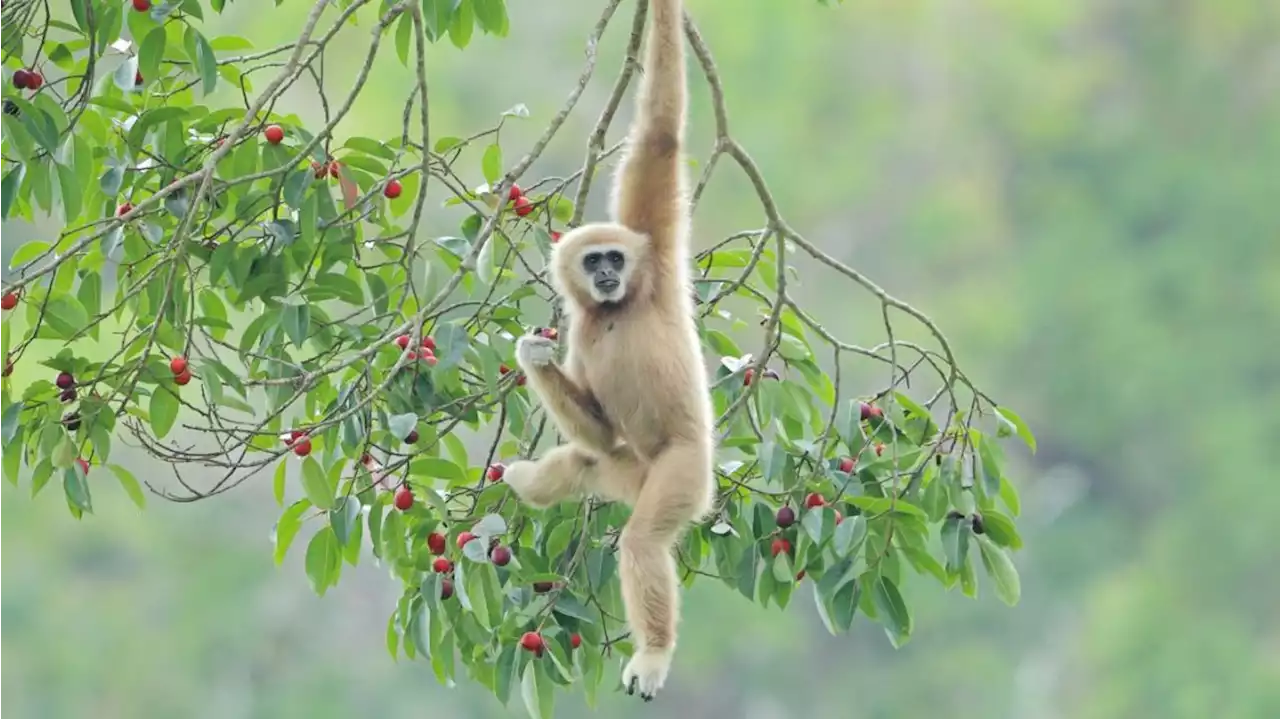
608, 286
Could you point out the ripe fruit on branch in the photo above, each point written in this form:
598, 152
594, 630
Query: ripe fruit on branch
879, 448
68, 395
137, 78
532, 641
515, 192
71, 421
747, 376
575, 640
65, 380
403, 342
442, 565
814, 500
978, 526
446, 588
542, 587
334, 172
436, 543
839, 516
183, 378
142, 5
779, 546
846, 465
178, 364
799, 575
21, 79
429, 343
302, 446
404, 499
34, 80
124, 209
392, 190
319, 170
411, 437
523, 206
555, 237
786, 517
9, 301
465, 537
274, 134
500, 555
496, 472
84, 464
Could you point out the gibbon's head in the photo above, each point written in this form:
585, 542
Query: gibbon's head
601, 265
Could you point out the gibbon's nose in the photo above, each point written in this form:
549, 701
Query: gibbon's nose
607, 281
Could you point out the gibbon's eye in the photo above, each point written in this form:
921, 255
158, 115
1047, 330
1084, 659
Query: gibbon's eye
591, 261
615, 258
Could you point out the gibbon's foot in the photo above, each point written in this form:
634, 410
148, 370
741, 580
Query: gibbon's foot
647, 672
533, 351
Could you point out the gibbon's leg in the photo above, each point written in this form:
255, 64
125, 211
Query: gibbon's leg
573, 409
649, 189
569, 471
676, 492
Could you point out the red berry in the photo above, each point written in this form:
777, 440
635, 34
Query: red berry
392, 190
575, 640
183, 377
799, 575
404, 499
876, 412
9, 301
65, 380
786, 517
523, 206
879, 448
34, 80
555, 237
442, 565
68, 395
430, 360
429, 343
532, 641
274, 134
839, 516
436, 543
142, 5
366, 459
500, 556
515, 192
503, 369
846, 465
294, 435
334, 172
779, 546
814, 500
21, 79
318, 170
302, 447
446, 588
124, 209
550, 333
464, 538
84, 465
746, 376
8, 368
496, 471
411, 437
542, 587
178, 365
403, 341
137, 78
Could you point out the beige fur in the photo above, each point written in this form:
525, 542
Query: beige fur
632, 394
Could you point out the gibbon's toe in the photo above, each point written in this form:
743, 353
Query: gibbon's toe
534, 351
646, 672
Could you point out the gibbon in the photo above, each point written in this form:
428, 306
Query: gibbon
632, 396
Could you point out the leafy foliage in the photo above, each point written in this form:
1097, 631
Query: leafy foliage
324, 341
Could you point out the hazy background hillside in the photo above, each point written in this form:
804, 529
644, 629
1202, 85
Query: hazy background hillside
1085, 195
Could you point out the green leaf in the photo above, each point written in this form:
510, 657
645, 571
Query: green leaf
277, 482
404, 36
1019, 426
955, 541
296, 319
437, 468
1000, 568
130, 484
849, 535
205, 60
324, 560
492, 15
9, 188
537, 691
150, 53
64, 315
400, 425
782, 570
892, 610
164, 410
77, 488
287, 527
491, 163
437, 14
344, 518
316, 484
9, 424
462, 25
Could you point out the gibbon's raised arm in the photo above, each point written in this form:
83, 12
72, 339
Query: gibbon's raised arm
649, 190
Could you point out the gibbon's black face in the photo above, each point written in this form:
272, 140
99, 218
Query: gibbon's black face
606, 272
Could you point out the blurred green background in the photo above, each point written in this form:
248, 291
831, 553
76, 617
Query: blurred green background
1085, 195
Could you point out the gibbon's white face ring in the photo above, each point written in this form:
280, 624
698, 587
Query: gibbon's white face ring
605, 269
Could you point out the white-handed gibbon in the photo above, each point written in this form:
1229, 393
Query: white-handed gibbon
632, 395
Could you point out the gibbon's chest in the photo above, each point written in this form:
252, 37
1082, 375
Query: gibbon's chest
644, 374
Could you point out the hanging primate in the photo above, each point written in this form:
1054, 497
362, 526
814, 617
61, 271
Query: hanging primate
632, 395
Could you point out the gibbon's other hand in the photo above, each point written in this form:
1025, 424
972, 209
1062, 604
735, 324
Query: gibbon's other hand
534, 352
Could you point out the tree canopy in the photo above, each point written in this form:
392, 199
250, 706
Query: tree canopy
238, 287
